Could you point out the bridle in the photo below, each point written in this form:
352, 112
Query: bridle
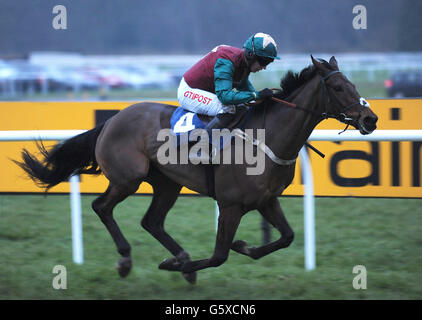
341, 116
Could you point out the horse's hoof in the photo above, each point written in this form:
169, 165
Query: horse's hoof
123, 266
190, 277
170, 264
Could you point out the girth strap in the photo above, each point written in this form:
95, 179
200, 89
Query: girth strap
210, 179
263, 147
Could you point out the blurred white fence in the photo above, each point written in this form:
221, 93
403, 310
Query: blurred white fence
44, 69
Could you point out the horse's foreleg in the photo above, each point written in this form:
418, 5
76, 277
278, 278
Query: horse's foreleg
273, 213
228, 222
104, 206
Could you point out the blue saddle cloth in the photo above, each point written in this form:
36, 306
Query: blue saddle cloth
183, 122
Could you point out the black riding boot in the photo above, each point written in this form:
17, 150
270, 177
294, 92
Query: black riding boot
220, 121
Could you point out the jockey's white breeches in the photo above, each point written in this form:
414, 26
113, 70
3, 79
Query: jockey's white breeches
201, 101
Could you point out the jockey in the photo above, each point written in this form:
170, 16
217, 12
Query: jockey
219, 81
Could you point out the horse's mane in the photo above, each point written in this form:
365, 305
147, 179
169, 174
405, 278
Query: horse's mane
291, 81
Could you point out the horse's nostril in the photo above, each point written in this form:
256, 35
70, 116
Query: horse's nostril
370, 120
370, 123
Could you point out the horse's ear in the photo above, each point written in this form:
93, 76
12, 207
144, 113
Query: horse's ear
333, 62
316, 63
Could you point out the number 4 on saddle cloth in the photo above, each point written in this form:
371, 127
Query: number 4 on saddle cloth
184, 122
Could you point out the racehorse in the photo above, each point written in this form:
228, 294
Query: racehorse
125, 147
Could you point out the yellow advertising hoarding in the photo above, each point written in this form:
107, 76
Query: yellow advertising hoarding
353, 168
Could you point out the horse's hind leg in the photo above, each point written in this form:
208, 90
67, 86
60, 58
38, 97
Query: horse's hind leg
104, 206
165, 195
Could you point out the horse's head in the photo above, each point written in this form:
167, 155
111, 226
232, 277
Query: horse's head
341, 99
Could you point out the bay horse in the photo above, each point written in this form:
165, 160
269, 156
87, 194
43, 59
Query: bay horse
125, 147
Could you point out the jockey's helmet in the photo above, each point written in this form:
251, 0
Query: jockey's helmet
262, 47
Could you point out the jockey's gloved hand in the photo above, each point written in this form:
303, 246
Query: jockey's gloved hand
265, 93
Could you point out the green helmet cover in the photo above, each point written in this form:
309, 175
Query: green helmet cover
263, 45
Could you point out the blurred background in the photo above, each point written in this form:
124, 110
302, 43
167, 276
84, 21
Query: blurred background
132, 50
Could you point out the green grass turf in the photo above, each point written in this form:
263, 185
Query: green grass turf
384, 235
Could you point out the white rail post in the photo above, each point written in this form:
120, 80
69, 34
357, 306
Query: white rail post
217, 214
76, 217
309, 210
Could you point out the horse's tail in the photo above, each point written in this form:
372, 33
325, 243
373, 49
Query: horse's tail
72, 156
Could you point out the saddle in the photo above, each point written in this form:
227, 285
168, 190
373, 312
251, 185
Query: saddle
183, 122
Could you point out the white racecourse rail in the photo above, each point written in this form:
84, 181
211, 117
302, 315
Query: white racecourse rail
309, 205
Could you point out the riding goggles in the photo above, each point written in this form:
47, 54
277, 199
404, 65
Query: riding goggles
264, 61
